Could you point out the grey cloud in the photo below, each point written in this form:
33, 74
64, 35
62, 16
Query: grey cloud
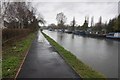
74, 0
81, 9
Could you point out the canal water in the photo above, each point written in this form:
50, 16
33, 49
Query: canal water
100, 54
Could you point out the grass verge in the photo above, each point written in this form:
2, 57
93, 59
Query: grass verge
13, 56
82, 69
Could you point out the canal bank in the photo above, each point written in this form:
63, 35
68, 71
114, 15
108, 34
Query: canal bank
82, 69
100, 54
42, 61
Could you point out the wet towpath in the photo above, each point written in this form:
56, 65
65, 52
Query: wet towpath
43, 61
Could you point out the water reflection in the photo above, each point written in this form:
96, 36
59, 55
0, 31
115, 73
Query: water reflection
100, 54
72, 36
40, 37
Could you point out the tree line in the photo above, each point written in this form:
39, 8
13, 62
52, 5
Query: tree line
20, 15
19, 19
98, 28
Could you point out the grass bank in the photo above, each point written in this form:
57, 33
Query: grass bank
82, 69
13, 55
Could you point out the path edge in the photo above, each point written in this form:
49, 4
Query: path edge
22, 62
65, 60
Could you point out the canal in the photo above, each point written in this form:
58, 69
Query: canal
100, 54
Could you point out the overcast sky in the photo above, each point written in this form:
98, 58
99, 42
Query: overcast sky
79, 10
108, 9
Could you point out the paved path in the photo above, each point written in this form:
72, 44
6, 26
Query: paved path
43, 61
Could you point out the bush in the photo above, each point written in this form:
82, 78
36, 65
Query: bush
10, 34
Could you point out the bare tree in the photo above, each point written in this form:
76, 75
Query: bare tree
20, 15
15, 12
73, 22
61, 19
41, 19
85, 25
92, 21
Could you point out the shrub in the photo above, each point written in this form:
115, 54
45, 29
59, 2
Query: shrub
11, 34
